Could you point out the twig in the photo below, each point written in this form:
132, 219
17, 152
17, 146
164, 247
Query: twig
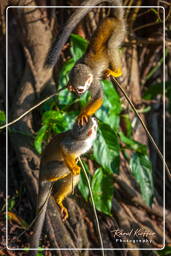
147, 25
94, 208
31, 109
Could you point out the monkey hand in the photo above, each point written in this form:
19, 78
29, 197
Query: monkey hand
64, 213
82, 118
76, 170
116, 73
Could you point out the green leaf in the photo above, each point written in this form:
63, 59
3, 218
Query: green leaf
66, 98
153, 91
26, 249
102, 188
111, 108
165, 252
40, 137
113, 99
126, 124
40, 252
83, 185
11, 203
132, 144
78, 46
52, 116
63, 74
84, 99
106, 149
141, 169
157, 89
2, 117
156, 67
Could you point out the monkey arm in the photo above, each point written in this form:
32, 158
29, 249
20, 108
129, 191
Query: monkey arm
89, 110
70, 161
94, 104
92, 107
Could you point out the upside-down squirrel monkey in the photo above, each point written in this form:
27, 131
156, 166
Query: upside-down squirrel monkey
59, 170
103, 52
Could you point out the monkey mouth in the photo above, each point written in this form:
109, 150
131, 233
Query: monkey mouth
79, 92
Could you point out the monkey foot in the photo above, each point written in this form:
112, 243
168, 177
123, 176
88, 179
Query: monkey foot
76, 170
81, 119
64, 213
116, 73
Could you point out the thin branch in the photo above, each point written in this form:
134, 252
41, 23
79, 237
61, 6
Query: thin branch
31, 109
94, 208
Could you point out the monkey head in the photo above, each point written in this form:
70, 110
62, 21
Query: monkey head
81, 78
87, 131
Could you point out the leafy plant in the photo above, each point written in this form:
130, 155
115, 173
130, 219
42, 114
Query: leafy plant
165, 252
158, 89
2, 117
141, 168
102, 187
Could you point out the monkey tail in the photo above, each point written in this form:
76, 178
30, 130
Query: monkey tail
117, 12
73, 21
43, 196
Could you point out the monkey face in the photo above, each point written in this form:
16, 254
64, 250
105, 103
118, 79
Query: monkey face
81, 78
86, 132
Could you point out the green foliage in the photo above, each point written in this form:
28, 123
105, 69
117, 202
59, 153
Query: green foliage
126, 123
142, 170
58, 115
52, 122
83, 185
39, 138
11, 203
26, 249
40, 252
111, 108
102, 187
77, 49
2, 117
132, 144
156, 67
165, 252
78, 46
158, 89
106, 149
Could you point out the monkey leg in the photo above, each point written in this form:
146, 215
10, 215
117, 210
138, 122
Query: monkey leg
70, 161
62, 189
53, 171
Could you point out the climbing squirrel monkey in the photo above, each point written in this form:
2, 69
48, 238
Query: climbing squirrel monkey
103, 52
59, 171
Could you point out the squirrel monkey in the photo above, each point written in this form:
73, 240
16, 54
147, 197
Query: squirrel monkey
103, 52
59, 171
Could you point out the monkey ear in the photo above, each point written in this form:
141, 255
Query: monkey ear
90, 132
